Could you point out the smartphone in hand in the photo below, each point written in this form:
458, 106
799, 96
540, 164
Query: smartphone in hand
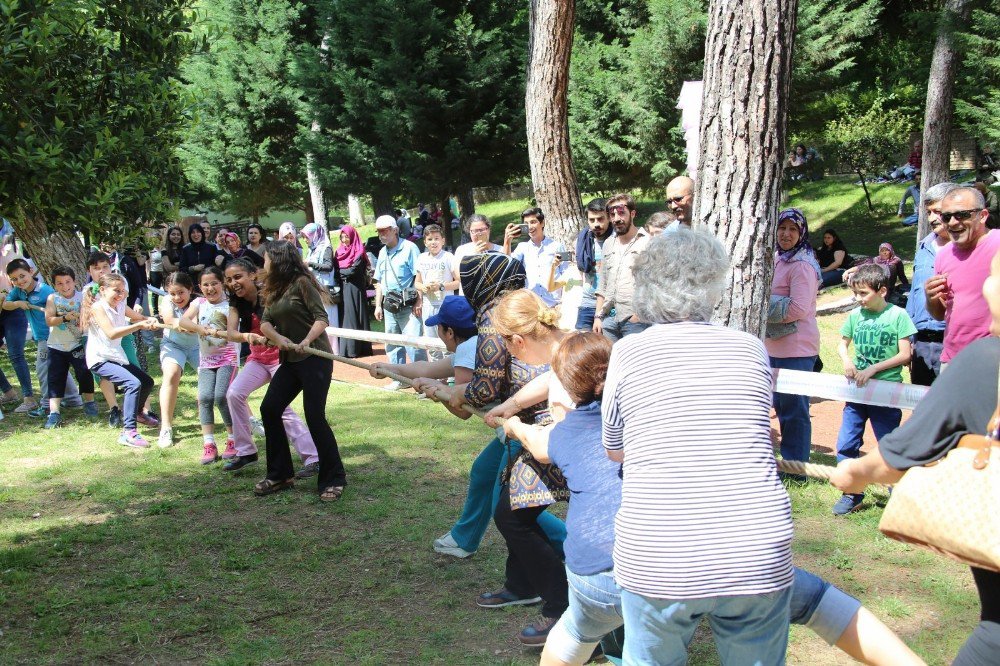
564, 256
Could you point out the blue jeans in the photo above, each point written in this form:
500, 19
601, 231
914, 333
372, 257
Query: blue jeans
595, 609
817, 604
14, 330
71, 396
407, 323
852, 427
585, 318
748, 629
484, 492
793, 412
615, 329
830, 278
910, 220
137, 385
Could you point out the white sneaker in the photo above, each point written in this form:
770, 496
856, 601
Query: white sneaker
446, 545
166, 438
30, 403
392, 386
257, 426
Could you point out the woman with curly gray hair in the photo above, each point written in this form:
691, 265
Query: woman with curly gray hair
705, 526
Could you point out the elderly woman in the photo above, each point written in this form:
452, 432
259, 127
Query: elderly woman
705, 526
321, 262
792, 340
232, 249
961, 401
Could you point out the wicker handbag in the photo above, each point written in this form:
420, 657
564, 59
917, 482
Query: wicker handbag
951, 505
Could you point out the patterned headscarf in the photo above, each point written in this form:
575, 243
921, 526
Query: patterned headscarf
315, 234
348, 253
485, 277
801, 251
285, 229
893, 259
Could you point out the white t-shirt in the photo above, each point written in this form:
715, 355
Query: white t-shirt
465, 354
436, 269
558, 394
100, 347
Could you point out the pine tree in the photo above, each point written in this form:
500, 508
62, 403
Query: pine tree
977, 103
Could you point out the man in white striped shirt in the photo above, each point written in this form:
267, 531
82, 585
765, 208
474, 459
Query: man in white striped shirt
705, 525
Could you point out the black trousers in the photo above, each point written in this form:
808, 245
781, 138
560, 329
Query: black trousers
983, 647
311, 377
533, 568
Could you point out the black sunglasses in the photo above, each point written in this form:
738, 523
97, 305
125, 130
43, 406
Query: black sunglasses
960, 215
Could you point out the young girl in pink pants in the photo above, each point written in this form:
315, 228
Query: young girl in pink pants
244, 315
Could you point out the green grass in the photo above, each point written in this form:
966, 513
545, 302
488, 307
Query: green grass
114, 555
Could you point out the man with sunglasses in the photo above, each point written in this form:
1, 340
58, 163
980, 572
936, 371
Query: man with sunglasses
955, 291
614, 316
680, 200
929, 340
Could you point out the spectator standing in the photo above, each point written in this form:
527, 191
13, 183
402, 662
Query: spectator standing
403, 223
256, 239
794, 345
435, 280
320, 261
537, 253
992, 204
352, 262
833, 259
928, 342
396, 270
954, 292
589, 259
680, 199
198, 254
614, 314
659, 222
479, 232
170, 255
705, 526
232, 249
154, 277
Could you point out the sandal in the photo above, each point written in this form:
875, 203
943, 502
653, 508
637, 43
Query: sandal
269, 487
331, 494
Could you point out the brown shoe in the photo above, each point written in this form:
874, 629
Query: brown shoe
269, 487
534, 635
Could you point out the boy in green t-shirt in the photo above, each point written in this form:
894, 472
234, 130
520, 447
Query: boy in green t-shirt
880, 332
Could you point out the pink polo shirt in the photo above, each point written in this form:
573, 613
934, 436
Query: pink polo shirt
966, 317
798, 280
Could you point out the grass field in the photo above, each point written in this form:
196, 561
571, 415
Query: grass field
110, 555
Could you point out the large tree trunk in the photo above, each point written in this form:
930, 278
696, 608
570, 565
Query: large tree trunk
466, 204
354, 211
315, 189
744, 113
552, 175
940, 108
49, 249
445, 220
382, 203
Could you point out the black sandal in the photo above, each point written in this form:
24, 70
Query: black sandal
269, 487
331, 494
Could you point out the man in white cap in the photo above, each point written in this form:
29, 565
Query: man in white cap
396, 301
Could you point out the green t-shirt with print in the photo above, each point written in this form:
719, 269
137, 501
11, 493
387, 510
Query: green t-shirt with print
876, 336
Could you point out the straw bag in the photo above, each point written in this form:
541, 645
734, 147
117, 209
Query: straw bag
950, 505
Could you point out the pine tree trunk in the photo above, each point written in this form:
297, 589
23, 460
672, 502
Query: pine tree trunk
354, 211
315, 188
445, 220
744, 114
49, 249
552, 175
940, 107
466, 202
382, 203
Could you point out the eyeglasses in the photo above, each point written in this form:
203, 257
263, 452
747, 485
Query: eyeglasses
620, 209
677, 200
960, 215
479, 231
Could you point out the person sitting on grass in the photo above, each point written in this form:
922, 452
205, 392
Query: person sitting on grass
457, 329
912, 192
833, 259
66, 345
31, 294
880, 333
107, 322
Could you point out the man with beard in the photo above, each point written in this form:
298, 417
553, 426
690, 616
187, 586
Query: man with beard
680, 199
615, 316
589, 257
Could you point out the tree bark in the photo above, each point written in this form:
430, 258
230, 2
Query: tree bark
466, 204
315, 188
545, 103
382, 203
744, 116
940, 107
49, 249
355, 213
445, 220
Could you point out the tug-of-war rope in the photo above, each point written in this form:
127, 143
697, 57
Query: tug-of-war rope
788, 466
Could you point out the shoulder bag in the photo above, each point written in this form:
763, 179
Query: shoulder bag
950, 505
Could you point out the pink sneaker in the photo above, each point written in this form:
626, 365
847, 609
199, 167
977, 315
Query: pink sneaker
230, 451
210, 455
132, 439
147, 419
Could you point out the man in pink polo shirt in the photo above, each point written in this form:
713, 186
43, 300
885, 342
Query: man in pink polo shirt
955, 292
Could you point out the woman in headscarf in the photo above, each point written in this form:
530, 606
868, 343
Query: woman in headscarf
893, 265
198, 255
287, 232
232, 249
792, 339
320, 262
352, 263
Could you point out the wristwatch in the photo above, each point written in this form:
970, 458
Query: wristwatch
599, 317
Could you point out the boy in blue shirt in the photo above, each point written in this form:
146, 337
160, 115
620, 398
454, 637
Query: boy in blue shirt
880, 333
66, 345
30, 294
